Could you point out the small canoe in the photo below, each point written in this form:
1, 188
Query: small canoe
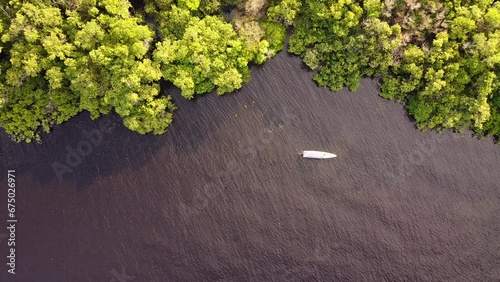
317, 155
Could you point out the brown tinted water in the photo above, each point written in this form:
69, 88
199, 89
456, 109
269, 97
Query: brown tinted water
224, 195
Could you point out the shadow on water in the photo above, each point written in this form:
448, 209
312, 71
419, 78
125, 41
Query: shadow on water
119, 149
395, 205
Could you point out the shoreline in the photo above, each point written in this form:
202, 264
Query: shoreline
261, 212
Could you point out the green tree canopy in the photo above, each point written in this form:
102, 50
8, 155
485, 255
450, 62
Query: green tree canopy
64, 58
439, 57
200, 54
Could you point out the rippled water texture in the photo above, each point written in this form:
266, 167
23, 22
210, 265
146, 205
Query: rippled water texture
224, 195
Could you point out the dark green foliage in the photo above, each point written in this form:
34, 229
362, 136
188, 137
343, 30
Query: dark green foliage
450, 83
229, 3
342, 44
492, 126
441, 58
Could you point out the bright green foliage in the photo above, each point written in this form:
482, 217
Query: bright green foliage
198, 55
189, 4
285, 11
275, 34
372, 8
198, 7
31, 80
250, 30
111, 70
93, 58
450, 84
58, 58
153, 116
29, 108
334, 39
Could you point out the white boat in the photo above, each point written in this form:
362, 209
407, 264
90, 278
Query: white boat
317, 155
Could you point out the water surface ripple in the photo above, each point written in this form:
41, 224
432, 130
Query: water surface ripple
224, 195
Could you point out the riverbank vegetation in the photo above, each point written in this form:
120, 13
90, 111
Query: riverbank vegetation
439, 58
59, 58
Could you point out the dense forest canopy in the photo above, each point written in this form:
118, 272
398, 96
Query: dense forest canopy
440, 58
61, 57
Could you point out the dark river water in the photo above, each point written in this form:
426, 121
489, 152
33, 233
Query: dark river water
225, 196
